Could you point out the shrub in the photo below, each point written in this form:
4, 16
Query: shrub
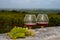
9, 20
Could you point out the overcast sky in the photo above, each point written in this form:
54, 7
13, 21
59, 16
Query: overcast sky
30, 4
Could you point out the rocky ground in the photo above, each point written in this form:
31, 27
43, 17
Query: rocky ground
50, 33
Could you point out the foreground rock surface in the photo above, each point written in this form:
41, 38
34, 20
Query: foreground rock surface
52, 33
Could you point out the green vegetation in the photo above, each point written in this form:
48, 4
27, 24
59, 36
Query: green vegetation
9, 19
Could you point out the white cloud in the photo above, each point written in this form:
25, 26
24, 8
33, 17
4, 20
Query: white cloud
20, 1
30, 3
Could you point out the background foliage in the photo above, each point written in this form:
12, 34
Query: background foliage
9, 19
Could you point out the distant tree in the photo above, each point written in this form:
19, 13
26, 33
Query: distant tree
2, 10
24, 12
15, 11
59, 13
